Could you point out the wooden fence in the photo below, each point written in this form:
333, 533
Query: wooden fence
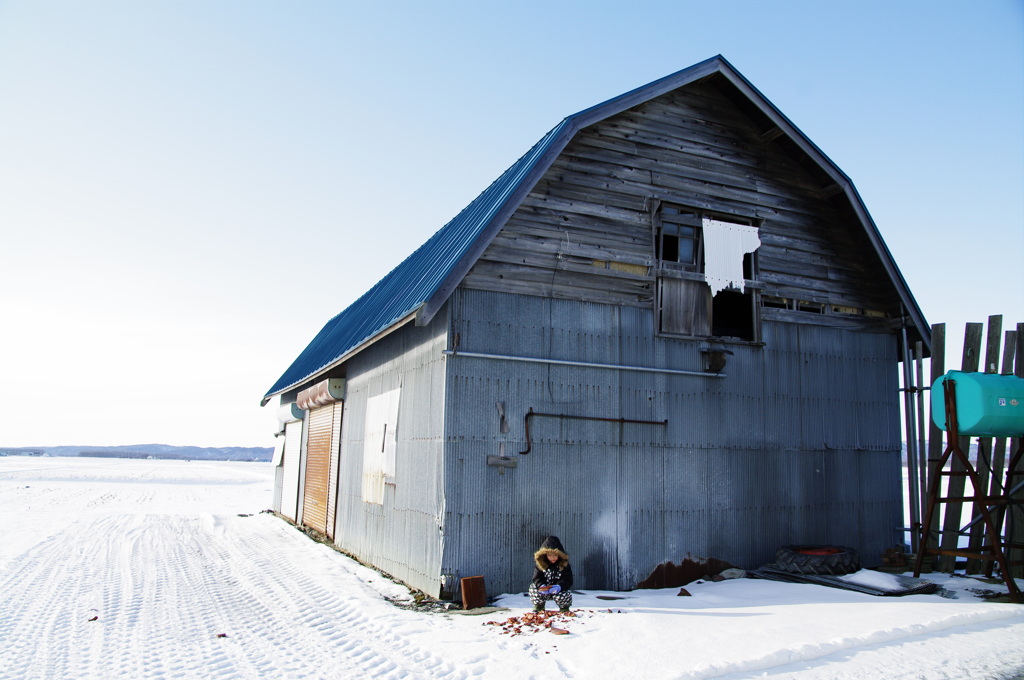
952, 526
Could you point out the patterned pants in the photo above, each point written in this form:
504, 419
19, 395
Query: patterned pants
539, 599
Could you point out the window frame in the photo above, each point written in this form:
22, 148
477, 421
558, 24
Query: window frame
687, 283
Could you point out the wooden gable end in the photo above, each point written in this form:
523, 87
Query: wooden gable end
587, 228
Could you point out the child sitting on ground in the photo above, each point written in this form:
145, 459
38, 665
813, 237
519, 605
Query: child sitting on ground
552, 576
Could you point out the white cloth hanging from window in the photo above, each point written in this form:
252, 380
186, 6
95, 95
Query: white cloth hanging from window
725, 244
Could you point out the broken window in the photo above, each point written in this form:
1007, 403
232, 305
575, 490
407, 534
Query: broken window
679, 238
705, 263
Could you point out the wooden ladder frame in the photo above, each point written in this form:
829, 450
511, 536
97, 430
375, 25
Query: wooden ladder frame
993, 552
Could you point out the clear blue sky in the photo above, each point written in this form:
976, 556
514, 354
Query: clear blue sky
190, 190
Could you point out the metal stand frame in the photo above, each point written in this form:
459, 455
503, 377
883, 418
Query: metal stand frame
995, 551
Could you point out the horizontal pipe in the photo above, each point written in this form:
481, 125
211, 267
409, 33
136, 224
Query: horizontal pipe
584, 364
620, 421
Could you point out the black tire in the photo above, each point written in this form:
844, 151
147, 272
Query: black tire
828, 560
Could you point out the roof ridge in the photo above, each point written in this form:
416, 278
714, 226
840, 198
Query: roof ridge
423, 281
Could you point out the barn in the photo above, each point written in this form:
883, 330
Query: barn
669, 332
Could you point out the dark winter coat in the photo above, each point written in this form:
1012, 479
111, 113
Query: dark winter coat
547, 574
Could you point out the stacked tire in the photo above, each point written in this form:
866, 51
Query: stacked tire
826, 560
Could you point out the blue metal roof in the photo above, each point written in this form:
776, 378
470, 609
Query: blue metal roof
409, 285
423, 281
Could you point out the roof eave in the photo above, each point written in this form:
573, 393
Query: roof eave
848, 188
560, 137
548, 150
571, 125
344, 357
564, 133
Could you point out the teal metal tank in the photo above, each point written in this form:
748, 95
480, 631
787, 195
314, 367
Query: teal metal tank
987, 404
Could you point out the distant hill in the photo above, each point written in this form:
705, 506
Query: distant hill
163, 451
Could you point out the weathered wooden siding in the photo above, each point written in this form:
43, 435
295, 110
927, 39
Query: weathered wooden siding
585, 231
798, 443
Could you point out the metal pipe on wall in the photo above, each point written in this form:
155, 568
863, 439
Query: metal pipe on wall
909, 419
583, 364
531, 413
923, 386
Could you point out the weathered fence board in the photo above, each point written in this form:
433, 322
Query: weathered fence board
970, 361
1004, 353
938, 366
976, 536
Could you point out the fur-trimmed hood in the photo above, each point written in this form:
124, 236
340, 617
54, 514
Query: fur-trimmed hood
551, 545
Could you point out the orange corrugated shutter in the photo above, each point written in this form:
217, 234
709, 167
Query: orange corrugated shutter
318, 468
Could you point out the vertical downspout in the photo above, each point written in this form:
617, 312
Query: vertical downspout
922, 470
910, 418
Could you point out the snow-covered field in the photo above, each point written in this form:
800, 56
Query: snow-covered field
167, 569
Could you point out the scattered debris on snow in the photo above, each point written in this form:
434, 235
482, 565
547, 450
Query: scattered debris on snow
535, 622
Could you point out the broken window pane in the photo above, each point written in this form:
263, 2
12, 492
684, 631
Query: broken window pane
722, 249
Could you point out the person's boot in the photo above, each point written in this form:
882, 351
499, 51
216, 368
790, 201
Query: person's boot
537, 608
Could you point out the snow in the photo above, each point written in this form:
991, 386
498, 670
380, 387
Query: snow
168, 569
874, 579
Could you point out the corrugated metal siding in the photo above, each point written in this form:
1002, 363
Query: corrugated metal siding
318, 466
278, 487
784, 449
783, 426
290, 470
337, 409
402, 536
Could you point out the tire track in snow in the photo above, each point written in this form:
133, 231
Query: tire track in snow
162, 588
318, 615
